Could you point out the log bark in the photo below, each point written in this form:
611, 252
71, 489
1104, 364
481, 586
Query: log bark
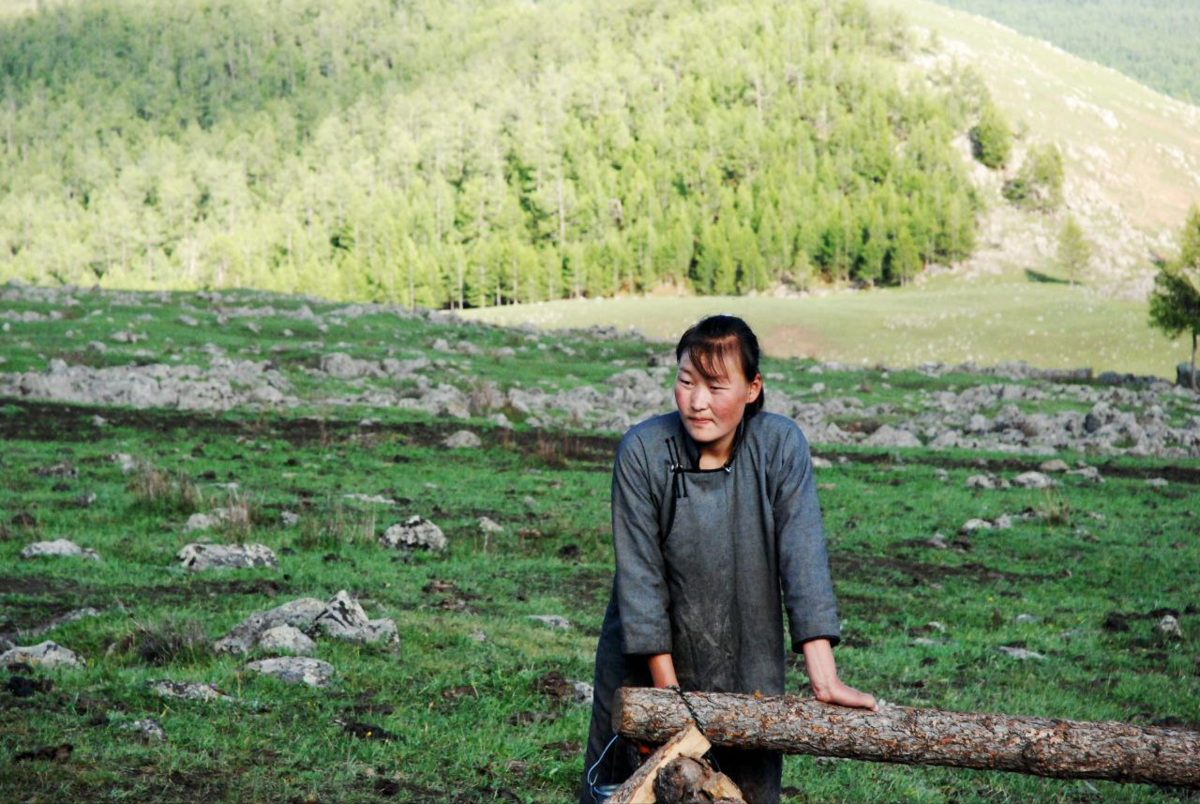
1063, 749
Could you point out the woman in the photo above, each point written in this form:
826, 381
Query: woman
715, 517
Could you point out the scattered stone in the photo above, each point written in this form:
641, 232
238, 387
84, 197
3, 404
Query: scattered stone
1157, 482
477, 636
99, 421
148, 730
189, 691
463, 439
45, 654
199, 522
1020, 654
1027, 619
187, 320
1054, 465
59, 548
821, 463
373, 499
299, 613
294, 670
345, 619
286, 639
487, 525
414, 533
972, 525
552, 621
1168, 627
981, 482
1088, 473
926, 642
62, 469
199, 556
62, 619
938, 542
84, 500
289, 519
934, 625
888, 436
125, 461
1033, 480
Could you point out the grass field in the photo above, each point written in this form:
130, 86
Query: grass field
989, 320
469, 724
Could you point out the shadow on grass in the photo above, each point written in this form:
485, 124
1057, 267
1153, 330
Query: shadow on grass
1045, 279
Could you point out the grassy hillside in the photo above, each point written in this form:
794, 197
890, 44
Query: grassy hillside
1151, 41
459, 711
986, 320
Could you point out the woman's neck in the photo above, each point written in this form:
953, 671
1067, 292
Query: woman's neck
716, 454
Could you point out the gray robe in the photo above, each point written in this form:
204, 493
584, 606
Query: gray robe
704, 560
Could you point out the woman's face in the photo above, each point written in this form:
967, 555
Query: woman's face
712, 408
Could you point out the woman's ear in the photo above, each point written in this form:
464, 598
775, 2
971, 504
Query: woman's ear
755, 389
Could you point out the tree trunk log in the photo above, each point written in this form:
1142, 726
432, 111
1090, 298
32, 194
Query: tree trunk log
1063, 749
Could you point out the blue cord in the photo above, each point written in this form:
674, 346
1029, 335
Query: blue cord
591, 772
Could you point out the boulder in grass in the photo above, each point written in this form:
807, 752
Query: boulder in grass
294, 670
972, 525
888, 436
189, 691
463, 439
345, 619
1033, 480
552, 621
489, 525
415, 532
198, 557
59, 548
45, 654
1054, 465
286, 639
298, 613
1020, 654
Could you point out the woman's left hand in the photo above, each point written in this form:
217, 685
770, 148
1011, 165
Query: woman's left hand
839, 693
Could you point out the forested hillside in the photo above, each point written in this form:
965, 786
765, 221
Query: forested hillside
1156, 42
449, 153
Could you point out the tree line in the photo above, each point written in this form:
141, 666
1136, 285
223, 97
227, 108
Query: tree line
465, 153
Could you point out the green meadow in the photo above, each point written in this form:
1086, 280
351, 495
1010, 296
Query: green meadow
1043, 321
460, 704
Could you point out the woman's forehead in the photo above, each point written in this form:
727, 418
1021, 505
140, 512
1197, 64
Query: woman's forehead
713, 365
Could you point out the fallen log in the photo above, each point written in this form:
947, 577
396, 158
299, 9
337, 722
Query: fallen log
1063, 749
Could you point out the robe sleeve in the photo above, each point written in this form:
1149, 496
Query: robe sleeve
643, 599
800, 537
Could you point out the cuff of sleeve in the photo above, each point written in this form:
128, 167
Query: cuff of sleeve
834, 638
646, 643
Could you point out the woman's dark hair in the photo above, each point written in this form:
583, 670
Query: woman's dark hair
711, 339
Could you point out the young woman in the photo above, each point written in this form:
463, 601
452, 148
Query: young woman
717, 530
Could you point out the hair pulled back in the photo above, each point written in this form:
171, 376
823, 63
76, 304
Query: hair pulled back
709, 343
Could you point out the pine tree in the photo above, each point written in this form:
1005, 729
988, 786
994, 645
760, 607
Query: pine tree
1175, 299
991, 139
1074, 251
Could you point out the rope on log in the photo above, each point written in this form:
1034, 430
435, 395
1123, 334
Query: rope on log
1062, 749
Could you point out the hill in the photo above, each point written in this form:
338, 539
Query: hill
440, 152
1151, 41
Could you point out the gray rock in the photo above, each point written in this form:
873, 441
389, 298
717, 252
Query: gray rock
1026, 619
345, 619
1088, 473
552, 621
125, 461
299, 613
289, 519
294, 670
1168, 627
1055, 465
59, 548
972, 525
187, 320
981, 482
1021, 654
1157, 482
200, 522
46, 655
938, 542
62, 619
1033, 480
199, 557
477, 636
415, 532
286, 639
148, 730
461, 439
582, 692
189, 690
888, 436
487, 525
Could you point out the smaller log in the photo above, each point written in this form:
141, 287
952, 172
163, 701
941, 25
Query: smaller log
693, 781
639, 788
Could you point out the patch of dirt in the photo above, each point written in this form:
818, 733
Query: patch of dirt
865, 567
62, 422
